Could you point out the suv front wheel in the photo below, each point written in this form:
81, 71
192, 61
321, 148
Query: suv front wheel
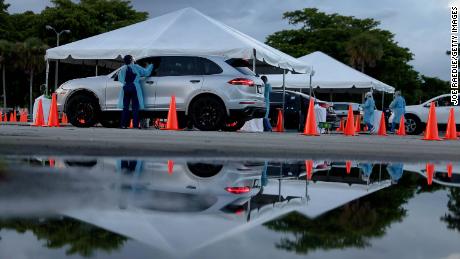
82, 110
208, 113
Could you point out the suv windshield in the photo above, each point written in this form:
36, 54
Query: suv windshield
243, 66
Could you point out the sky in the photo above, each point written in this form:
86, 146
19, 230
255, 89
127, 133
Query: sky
423, 26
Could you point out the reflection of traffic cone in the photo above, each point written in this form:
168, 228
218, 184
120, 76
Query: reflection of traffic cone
348, 166
350, 124
172, 123
340, 128
429, 173
431, 132
53, 117
382, 127
311, 128
309, 168
279, 123
451, 131
449, 170
170, 166
52, 162
358, 124
402, 127
39, 120
64, 119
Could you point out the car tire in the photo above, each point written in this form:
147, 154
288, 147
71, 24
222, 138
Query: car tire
82, 111
204, 170
208, 113
233, 125
413, 124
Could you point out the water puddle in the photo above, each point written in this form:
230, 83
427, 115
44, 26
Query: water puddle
101, 207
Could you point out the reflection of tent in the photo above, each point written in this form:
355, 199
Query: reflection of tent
183, 32
330, 76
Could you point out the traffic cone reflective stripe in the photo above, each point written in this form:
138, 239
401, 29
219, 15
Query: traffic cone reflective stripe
350, 124
39, 120
172, 123
311, 128
431, 132
170, 166
382, 127
309, 168
348, 166
279, 123
402, 127
451, 131
429, 173
53, 118
449, 170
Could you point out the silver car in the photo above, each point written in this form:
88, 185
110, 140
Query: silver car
212, 93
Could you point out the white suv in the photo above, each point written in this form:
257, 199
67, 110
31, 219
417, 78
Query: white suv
212, 93
417, 115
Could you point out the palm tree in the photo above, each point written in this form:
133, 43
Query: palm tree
31, 58
364, 49
5, 53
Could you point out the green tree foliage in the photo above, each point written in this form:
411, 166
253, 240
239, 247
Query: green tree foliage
76, 237
5, 26
452, 218
352, 41
6, 50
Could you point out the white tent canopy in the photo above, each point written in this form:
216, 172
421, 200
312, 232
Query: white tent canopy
183, 32
330, 75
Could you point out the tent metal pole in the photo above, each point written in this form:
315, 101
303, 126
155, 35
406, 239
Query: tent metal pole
311, 87
383, 99
96, 68
284, 92
254, 61
47, 76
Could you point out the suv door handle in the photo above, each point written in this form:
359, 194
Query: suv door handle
150, 82
194, 81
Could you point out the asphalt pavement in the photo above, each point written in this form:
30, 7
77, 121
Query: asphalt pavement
26, 140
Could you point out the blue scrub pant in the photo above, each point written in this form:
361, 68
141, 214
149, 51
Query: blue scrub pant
369, 126
130, 96
267, 126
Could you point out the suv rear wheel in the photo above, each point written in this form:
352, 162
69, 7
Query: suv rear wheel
208, 113
413, 125
82, 110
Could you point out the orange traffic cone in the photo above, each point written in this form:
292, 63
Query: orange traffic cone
309, 168
431, 132
39, 120
451, 131
279, 123
1, 116
429, 173
172, 123
402, 127
382, 127
311, 128
350, 124
340, 128
13, 117
449, 170
348, 166
358, 124
53, 117
64, 119
23, 117
170, 166
131, 124
5, 118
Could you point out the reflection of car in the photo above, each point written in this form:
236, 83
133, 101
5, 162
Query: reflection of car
341, 108
440, 175
210, 91
296, 109
417, 115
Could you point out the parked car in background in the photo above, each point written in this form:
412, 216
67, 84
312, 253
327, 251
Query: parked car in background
211, 92
341, 108
296, 109
417, 115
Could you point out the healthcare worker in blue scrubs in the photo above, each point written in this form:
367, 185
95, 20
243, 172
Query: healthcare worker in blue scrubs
268, 89
131, 93
368, 109
398, 107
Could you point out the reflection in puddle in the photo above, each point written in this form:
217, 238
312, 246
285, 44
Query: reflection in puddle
181, 207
